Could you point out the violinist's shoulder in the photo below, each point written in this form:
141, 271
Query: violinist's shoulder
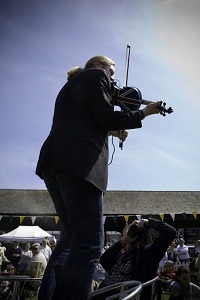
97, 74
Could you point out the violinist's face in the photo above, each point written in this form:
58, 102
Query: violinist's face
111, 70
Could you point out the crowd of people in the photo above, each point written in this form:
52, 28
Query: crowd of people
135, 256
180, 274
17, 259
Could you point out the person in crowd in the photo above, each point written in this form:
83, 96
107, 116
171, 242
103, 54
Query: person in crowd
193, 275
46, 249
5, 291
162, 262
190, 290
73, 163
2, 247
48, 241
171, 255
15, 255
38, 256
53, 245
99, 274
197, 268
165, 278
197, 248
26, 256
3, 258
132, 258
175, 291
182, 251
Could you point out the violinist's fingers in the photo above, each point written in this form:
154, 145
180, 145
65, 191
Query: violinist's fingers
123, 135
146, 102
120, 134
152, 108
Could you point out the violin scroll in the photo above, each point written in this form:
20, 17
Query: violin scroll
163, 109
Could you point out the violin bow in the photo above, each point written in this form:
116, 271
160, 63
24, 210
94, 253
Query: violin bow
128, 51
122, 100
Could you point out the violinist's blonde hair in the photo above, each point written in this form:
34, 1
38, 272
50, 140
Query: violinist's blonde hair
73, 71
99, 58
91, 63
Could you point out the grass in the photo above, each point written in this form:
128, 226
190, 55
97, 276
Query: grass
165, 297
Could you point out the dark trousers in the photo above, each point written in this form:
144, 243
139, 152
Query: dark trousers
78, 204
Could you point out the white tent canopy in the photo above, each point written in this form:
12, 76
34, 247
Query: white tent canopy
26, 234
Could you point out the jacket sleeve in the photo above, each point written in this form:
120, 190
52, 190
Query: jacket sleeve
166, 236
110, 256
100, 104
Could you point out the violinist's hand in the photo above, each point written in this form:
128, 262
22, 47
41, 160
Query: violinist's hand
120, 134
151, 109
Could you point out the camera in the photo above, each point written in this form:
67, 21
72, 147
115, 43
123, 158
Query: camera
134, 230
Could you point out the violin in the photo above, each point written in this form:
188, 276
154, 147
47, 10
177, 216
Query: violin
130, 98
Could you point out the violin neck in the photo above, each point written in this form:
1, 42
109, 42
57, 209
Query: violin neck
146, 102
127, 100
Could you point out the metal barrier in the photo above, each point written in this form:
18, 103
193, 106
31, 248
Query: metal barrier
150, 281
129, 290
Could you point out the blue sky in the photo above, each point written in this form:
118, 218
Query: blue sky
42, 40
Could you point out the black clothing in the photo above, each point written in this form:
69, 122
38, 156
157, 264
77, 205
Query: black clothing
78, 142
172, 256
73, 162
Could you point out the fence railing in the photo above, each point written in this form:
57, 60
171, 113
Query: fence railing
127, 290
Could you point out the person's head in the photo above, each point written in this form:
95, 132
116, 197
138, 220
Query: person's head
45, 242
16, 244
5, 284
136, 235
197, 243
102, 62
169, 266
53, 245
172, 246
134, 231
35, 248
181, 241
27, 246
175, 289
183, 276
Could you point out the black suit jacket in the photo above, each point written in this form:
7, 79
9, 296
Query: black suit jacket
78, 141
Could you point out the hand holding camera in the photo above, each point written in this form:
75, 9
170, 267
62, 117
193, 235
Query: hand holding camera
133, 232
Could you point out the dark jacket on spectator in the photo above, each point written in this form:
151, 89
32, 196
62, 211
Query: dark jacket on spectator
146, 260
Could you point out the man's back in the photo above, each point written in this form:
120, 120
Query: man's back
77, 133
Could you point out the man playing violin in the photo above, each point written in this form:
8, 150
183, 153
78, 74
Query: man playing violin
73, 163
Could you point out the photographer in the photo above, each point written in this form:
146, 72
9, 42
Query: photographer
132, 259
